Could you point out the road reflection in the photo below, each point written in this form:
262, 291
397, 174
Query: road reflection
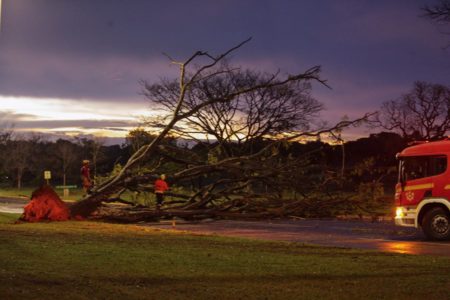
400, 247
415, 247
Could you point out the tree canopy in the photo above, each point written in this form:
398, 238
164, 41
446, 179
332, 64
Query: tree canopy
439, 12
421, 114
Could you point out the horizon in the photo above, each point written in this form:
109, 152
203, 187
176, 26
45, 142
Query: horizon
112, 141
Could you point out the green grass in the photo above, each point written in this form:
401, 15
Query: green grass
74, 194
90, 260
77, 194
15, 193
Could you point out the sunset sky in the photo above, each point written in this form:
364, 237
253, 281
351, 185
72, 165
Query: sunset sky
72, 67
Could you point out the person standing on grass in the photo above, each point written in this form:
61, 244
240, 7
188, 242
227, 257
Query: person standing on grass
161, 187
86, 176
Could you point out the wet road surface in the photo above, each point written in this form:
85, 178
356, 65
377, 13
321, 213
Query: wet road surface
382, 236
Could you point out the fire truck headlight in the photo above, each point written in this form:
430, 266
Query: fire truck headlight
399, 212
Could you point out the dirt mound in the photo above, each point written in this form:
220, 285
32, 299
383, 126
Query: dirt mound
45, 205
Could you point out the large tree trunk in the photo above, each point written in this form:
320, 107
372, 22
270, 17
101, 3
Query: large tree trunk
91, 202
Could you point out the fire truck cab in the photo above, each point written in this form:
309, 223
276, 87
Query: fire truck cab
422, 194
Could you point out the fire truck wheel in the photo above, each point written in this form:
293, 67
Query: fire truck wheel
436, 224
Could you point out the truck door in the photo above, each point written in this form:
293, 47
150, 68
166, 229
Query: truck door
417, 180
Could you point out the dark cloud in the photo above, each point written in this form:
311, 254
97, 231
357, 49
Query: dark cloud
27, 121
81, 124
9, 117
98, 50
117, 129
69, 135
105, 78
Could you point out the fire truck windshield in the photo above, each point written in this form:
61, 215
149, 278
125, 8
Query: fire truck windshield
416, 167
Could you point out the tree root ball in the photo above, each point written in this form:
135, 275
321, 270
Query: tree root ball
45, 205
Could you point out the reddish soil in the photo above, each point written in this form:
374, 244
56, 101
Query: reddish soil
45, 205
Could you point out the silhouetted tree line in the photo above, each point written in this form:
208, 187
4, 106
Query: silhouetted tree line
24, 160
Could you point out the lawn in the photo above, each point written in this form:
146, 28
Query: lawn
93, 260
74, 194
77, 194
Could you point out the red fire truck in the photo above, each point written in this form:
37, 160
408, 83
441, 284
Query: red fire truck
422, 194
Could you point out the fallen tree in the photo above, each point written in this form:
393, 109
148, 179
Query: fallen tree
242, 121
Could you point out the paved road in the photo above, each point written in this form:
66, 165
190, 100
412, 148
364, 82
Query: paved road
12, 205
382, 236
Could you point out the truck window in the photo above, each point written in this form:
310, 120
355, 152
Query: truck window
439, 165
423, 166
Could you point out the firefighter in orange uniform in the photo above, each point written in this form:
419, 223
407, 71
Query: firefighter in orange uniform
86, 176
161, 187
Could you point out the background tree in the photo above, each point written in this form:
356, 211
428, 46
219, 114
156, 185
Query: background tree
137, 138
439, 12
93, 150
96, 153
66, 153
19, 153
421, 114
248, 117
6, 134
39, 160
